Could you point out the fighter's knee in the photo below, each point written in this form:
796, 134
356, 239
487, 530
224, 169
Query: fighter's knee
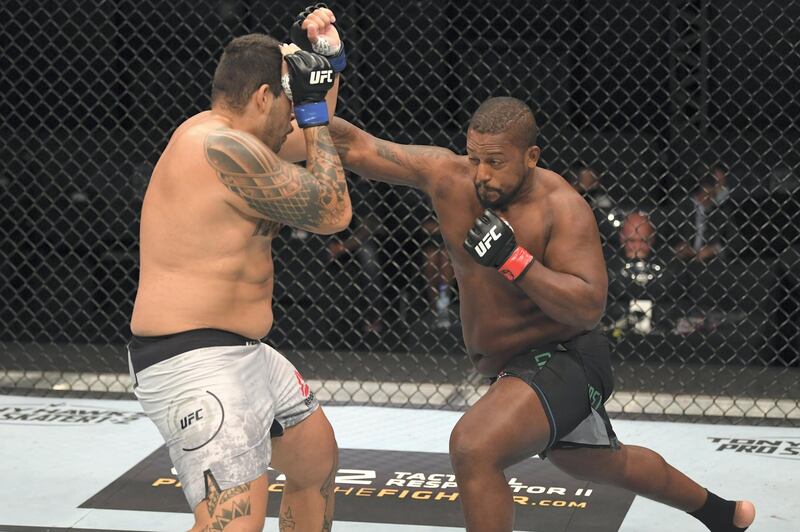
307, 454
327, 452
329, 457
317, 473
329, 466
468, 450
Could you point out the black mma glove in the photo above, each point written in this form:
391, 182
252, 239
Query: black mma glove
310, 79
299, 36
491, 243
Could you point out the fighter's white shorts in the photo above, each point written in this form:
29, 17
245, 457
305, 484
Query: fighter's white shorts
217, 397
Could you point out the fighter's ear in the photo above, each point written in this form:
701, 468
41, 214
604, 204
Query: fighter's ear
532, 156
263, 97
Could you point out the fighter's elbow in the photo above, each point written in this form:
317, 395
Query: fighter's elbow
344, 220
589, 323
592, 314
588, 313
339, 223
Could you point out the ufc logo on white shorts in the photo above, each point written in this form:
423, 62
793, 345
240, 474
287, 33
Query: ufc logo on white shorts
484, 245
321, 76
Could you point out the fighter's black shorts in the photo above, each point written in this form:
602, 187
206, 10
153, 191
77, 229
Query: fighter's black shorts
573, 380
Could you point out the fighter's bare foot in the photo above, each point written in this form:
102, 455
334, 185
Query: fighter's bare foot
744, 515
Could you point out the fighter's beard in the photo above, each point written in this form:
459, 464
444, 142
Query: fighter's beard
502, 201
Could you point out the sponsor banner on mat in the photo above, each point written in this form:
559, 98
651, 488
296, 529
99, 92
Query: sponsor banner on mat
64, 414
400, 488
765, 446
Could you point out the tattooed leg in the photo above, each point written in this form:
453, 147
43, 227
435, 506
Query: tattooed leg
241, 508
286, 521
309, 508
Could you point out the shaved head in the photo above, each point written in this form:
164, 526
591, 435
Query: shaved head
506, 115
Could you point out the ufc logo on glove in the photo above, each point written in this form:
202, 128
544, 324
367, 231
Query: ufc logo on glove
321, 76
486, 244
497, 249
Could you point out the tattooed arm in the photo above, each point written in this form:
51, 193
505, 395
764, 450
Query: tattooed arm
381, 160
313, 198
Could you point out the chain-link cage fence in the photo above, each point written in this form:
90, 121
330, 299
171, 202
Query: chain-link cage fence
676, 120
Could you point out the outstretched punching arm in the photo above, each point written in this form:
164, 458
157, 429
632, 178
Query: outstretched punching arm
380, 160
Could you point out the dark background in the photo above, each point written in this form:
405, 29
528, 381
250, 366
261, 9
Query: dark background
649, 93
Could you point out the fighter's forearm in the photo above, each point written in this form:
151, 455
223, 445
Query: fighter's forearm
324, 164
381, 160
566, 298
368, 156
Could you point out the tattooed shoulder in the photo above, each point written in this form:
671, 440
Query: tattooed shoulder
279, 191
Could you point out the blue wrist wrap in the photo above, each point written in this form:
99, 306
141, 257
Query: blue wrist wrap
311, 114
338, 61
